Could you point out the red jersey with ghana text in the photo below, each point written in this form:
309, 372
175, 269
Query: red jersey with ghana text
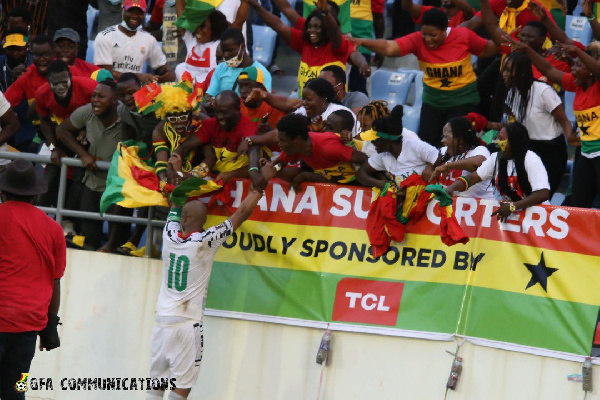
449, 79
81, 94
586, 108
32, 255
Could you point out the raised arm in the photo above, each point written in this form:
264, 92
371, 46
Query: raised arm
473, 23
555, 32
272, 21
388, 48
249, 203
490, 22
541, 63
241, 16
285, 104
287, 10
589, 13
412, 8
333, 29
467, 164
465, 7
10, 125
587, 60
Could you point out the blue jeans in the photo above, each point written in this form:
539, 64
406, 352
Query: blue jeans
16, 352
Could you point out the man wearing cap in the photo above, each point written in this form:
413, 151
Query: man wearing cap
256, 109
32, 261
125, 47
67, 42
12, 65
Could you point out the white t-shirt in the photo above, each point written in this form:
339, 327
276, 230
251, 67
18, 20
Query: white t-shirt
187, 264
538, 120
481, 190
200, 59
414, 157
538, 177
127, 54
4, 107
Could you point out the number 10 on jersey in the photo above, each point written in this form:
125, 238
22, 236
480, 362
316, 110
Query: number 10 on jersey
178, 272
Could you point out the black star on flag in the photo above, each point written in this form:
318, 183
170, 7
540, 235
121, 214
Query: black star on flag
584, 130
445, 82
539, 273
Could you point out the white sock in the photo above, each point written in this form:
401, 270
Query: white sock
154, 394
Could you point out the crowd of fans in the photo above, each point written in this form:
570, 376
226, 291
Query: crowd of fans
496, 131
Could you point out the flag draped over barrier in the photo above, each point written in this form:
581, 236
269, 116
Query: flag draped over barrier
529, 284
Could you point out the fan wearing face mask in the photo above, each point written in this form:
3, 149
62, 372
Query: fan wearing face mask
236, 58
126, 48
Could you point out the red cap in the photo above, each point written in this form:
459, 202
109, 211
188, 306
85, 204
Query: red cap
127, 4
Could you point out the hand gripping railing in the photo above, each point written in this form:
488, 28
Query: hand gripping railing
59, 211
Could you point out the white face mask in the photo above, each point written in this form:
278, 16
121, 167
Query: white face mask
124, 24
235, 61
115, 2
169, 3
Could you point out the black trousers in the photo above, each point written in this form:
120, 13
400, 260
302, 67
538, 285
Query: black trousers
586, 182
16, 352
433, 121
357, 82
554, 156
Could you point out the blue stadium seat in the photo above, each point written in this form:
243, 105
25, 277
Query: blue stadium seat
283, 18
92, 14
569, 97
411, 118
89, 55
391, 86
265, 40
579, 29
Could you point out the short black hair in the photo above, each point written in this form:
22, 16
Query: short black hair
57, 66
435, 17
294, 125
322, 88
347, 118
231, 95
42, 39
541, 28
233, 34
338, 73
110, 83
129, 76
20, 12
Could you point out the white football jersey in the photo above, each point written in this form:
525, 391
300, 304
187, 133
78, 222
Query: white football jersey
187, 264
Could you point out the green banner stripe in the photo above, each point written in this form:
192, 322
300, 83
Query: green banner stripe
114, 185
530, 320
424, 306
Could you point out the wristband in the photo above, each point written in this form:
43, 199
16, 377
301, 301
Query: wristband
252, 169
277, 167
465, 181
591, 18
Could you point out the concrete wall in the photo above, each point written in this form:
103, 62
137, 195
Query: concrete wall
107, 308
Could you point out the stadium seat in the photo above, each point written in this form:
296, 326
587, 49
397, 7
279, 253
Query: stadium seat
391, 86
89, 55
283, 18
92, 15
411, 118
265, 40
579, 29
569, 97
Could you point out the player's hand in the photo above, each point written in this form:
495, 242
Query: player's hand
56, 155
321, 5
357, 41
503, 212
89, 162
264, 127
298, 179
82, 137
365, 70
148, 78
242, 149
586, 6
569, 49
223, 176
439, 171
317, 124
18, 71
259, 182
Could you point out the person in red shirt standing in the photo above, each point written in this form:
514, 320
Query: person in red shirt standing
323, 156
55, 101
33, 258
67, 46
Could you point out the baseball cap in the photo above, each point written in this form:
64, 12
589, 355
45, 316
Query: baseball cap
67, 33
15, 39
252, 73
127, 4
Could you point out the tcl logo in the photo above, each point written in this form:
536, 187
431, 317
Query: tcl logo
366, 301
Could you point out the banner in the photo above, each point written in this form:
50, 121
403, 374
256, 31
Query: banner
529, 284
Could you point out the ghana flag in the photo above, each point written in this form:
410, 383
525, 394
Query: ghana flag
343, 16
195, 13
529, 284
586, 108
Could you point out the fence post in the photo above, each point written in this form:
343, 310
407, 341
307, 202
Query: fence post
62, 190
149, 232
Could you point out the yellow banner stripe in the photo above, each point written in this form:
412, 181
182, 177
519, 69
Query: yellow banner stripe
588, 122
500, 268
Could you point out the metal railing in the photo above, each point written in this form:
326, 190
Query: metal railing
60, 211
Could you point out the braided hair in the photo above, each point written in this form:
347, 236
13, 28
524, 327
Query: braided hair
462, 131
392, 124
375, 109
504, 99
518, 139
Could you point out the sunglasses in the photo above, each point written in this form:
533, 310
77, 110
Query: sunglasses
178, 118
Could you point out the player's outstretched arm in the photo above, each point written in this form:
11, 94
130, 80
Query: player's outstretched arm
249, 203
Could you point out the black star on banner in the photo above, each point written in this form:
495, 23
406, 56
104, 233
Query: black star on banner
539, 273
584, 130
445, 83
